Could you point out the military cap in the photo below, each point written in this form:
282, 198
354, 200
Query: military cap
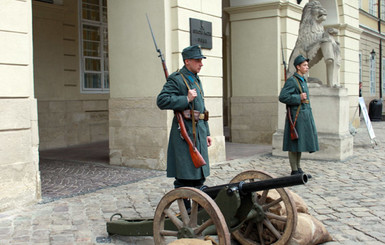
192, 52
299, 60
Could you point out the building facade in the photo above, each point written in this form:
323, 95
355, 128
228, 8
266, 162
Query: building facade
371, 54
82, 71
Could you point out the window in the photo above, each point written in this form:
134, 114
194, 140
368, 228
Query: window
373, 7
372, 74
94, 46
383, 76
382, 9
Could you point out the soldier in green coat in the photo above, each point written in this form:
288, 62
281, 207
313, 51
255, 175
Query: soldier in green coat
183, 91
295, 94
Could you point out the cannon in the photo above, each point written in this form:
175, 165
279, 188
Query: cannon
240, 208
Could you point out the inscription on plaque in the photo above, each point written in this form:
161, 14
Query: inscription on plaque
201, 33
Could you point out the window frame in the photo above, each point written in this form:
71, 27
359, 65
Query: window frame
383, 75
382, 9
102, 26
372, 75
373, 8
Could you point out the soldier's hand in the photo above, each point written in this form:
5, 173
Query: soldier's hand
192, 93
303, 96
209, 141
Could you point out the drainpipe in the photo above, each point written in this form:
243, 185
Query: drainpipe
380, 48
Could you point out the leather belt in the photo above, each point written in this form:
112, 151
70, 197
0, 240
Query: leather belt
197, 115
305, 101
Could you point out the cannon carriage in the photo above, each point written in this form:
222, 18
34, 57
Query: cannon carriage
241, 209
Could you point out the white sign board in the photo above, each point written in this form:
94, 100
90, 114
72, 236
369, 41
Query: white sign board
366, 118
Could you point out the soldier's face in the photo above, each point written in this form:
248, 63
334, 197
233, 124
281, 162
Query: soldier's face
303, 68
194, 65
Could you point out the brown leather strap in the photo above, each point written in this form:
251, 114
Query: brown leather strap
198, 116
300, 89
200, 90
192, 113
185, 82
296, 115
299, 85
193, 125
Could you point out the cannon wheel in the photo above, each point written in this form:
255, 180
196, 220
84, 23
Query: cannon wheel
266, 232
188, 223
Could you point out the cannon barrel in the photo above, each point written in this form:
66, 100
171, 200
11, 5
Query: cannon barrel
245, 188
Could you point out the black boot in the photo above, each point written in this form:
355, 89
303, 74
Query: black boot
187, 204
294, 172
301, 172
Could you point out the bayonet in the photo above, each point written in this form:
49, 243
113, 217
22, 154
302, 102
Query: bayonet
158, 49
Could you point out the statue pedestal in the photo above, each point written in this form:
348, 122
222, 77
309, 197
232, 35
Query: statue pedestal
331, 115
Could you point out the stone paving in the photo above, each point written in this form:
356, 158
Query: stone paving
347, 197
67, 178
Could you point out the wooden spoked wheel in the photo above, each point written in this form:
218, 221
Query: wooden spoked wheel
188, 225
274, 229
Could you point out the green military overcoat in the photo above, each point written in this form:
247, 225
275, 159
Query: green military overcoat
174, 97
307, 134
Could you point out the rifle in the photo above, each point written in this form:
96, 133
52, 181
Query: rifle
196, 157
293, 131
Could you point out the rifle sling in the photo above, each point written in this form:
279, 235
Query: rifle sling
304, 101
192, 113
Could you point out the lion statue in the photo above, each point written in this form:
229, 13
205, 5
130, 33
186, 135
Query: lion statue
315, 43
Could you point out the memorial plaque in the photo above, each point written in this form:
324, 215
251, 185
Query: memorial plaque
200, 33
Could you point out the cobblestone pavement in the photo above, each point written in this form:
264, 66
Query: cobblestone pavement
347, 197
61, 179
67, 172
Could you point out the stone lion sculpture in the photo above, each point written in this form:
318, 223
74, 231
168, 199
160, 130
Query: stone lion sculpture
315, 43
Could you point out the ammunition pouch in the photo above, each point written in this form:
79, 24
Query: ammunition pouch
197, 115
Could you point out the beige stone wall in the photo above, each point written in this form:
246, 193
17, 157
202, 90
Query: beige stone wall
73, 122
19, 175
136, 139
349, 35
66, 115
257, 31
138, 129
368, 43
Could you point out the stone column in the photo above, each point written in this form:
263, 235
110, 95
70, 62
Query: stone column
138, 129
255, 70
19, 141
349, 38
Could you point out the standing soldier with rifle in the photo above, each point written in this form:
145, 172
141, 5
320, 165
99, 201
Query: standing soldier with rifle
183, 93
300, 133
187, 154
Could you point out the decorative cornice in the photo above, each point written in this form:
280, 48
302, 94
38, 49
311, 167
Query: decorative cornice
263, 6
370, 31
344, 27
363, 12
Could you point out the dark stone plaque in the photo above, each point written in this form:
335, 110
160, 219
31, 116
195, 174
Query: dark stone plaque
200, 33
